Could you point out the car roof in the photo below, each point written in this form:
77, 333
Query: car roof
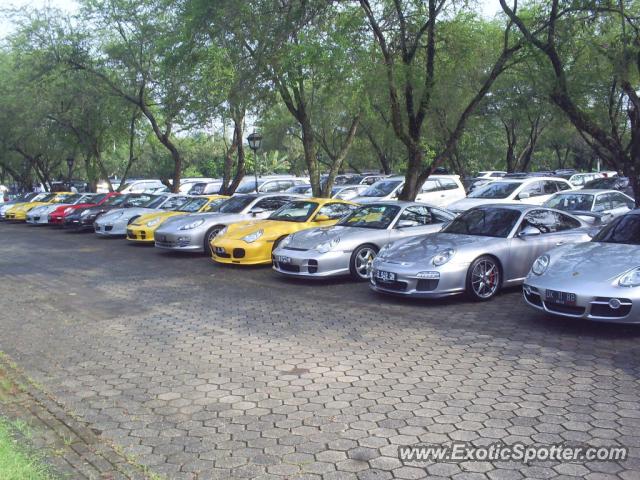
588, 191
522, 207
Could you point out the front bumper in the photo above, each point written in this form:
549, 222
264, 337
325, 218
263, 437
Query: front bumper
592, 300
56, 219
184, 242
140, 234
110, 229
19, 216
37, 219
452, 280
239, 252
310, 263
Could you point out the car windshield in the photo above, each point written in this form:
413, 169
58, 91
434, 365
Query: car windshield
156, 202
247, 187
236, 204
294, 212
47, 198
138, 200
485, 222
69, 198
382, 188
374, 216
625, 229
116, 200
495, 190
96, 198
193, 205
571, 202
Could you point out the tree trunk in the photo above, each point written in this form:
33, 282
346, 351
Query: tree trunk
412, 177
230, 184
310, 159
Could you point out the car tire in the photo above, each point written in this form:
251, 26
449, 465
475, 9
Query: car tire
361, 260
211, 233
484, 278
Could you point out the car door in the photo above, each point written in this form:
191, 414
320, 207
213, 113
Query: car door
620, 204
525, 249
431, 192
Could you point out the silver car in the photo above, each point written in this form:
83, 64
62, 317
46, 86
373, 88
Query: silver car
598, 280
482, 250
114, 222
193, 233
593, 206
349, 247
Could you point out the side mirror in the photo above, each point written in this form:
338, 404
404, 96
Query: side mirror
524, 196
257, 211
322, 218
529, 232
407, 224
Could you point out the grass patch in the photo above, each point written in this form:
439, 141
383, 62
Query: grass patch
15, 462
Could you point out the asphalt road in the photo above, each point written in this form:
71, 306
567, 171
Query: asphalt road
203, 371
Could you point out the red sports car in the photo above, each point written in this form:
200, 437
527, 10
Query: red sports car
57, 216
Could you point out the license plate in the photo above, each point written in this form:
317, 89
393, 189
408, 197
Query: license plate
283, 259
561, 298
385, 276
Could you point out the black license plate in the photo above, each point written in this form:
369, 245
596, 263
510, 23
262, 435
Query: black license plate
385, 276
283, 259
561, 298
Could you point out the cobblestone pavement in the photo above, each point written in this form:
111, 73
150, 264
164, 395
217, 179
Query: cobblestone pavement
204, 372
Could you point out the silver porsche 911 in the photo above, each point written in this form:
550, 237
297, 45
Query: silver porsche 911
114, 222
482, 250
349, 247
194, 232
598, 280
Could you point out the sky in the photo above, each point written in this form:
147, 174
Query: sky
488, 8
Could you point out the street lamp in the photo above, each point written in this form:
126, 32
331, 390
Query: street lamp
70, 161
255, 139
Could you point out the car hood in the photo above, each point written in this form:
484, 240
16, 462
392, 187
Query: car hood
309, 239
468, 203
423, 248
592, 262
162, 215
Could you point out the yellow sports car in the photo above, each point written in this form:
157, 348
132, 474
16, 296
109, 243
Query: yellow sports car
19, 211
251, 242
142, 228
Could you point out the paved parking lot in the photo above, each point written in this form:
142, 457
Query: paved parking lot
209, 372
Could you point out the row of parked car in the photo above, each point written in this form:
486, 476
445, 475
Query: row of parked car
575, 251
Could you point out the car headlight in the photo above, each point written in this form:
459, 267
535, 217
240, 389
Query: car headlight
85, 213
192, 225
327, 246
252, 237
443, 257
541, 264
153, 222
631, 278
385, 250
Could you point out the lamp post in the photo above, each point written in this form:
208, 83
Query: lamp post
70, 161
255, 139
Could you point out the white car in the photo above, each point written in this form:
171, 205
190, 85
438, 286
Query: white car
270, 184
491, 174
438, 190
532, 190
580, 179
139, 186
114, 222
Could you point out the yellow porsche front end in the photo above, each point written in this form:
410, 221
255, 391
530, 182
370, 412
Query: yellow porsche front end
141, 230
18, 213
252, 242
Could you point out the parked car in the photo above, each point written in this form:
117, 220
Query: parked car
140, 186
481, 251
592, 206
348, 192
186, 184
58, 215
302, 189
471, 184
598, 280
491, 174
205, 188
18, 212
113, 223
194, 232
532, 190
621, 184
27, 197
269, 184
579, 180
40, 215
83, 220
141, 229
350, 246
438, 190
252, 242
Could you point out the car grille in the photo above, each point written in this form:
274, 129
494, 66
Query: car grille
532, 296
238, 252
288, 268
391, 285
427, 285
108, 228
170, 244
600, 308
142, 235
566, 309
221, 252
